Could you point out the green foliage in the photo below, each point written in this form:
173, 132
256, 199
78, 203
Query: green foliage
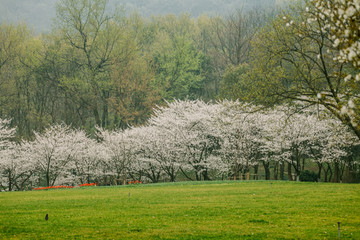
307, 176
293, 60
214, 210
232, 84
100, 66
178, 68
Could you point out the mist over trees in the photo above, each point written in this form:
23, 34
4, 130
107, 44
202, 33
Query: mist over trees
38, 14
109, 95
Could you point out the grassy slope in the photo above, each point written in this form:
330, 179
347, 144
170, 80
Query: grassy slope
227, 210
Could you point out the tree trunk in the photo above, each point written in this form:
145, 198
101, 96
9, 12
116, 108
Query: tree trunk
350, 173
276, 171
320, 169
327, 179
256, 168
289, 173
97, 116
172, 178
48, 179
105, 115
236, 171
183, 172
282, 170
172, 173
336, 172
10, 182
206, 175
197, 175
267, 170
303, 164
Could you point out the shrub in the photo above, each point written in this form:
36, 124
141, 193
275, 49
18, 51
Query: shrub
307, 176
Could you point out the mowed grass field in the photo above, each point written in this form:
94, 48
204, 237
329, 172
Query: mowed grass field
213, 210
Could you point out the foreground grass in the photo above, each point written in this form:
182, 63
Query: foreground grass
216, 210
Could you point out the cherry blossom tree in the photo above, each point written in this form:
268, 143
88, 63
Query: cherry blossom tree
342, 25
271, 122
157, 153
146, 165
8, 156
197, 138
6, 133
118, 153
53, 153
298, 136
241, 133
87, 159
310, 134
18, 170
335, 148
166, 151
6, 160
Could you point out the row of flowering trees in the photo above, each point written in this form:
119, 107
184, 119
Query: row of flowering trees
191, 139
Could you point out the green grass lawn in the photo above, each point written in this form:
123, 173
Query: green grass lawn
213, 210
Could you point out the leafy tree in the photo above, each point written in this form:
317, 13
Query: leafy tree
133, 95
232, 86
210, 68
93, 33
232, 35
176, 62
293, 60
15, 79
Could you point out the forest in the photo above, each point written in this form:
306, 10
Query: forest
103, 71
108, 69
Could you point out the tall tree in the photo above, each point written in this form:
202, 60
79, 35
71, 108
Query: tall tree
292, 59
15, 77
175, 60
341, 24
94, 32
